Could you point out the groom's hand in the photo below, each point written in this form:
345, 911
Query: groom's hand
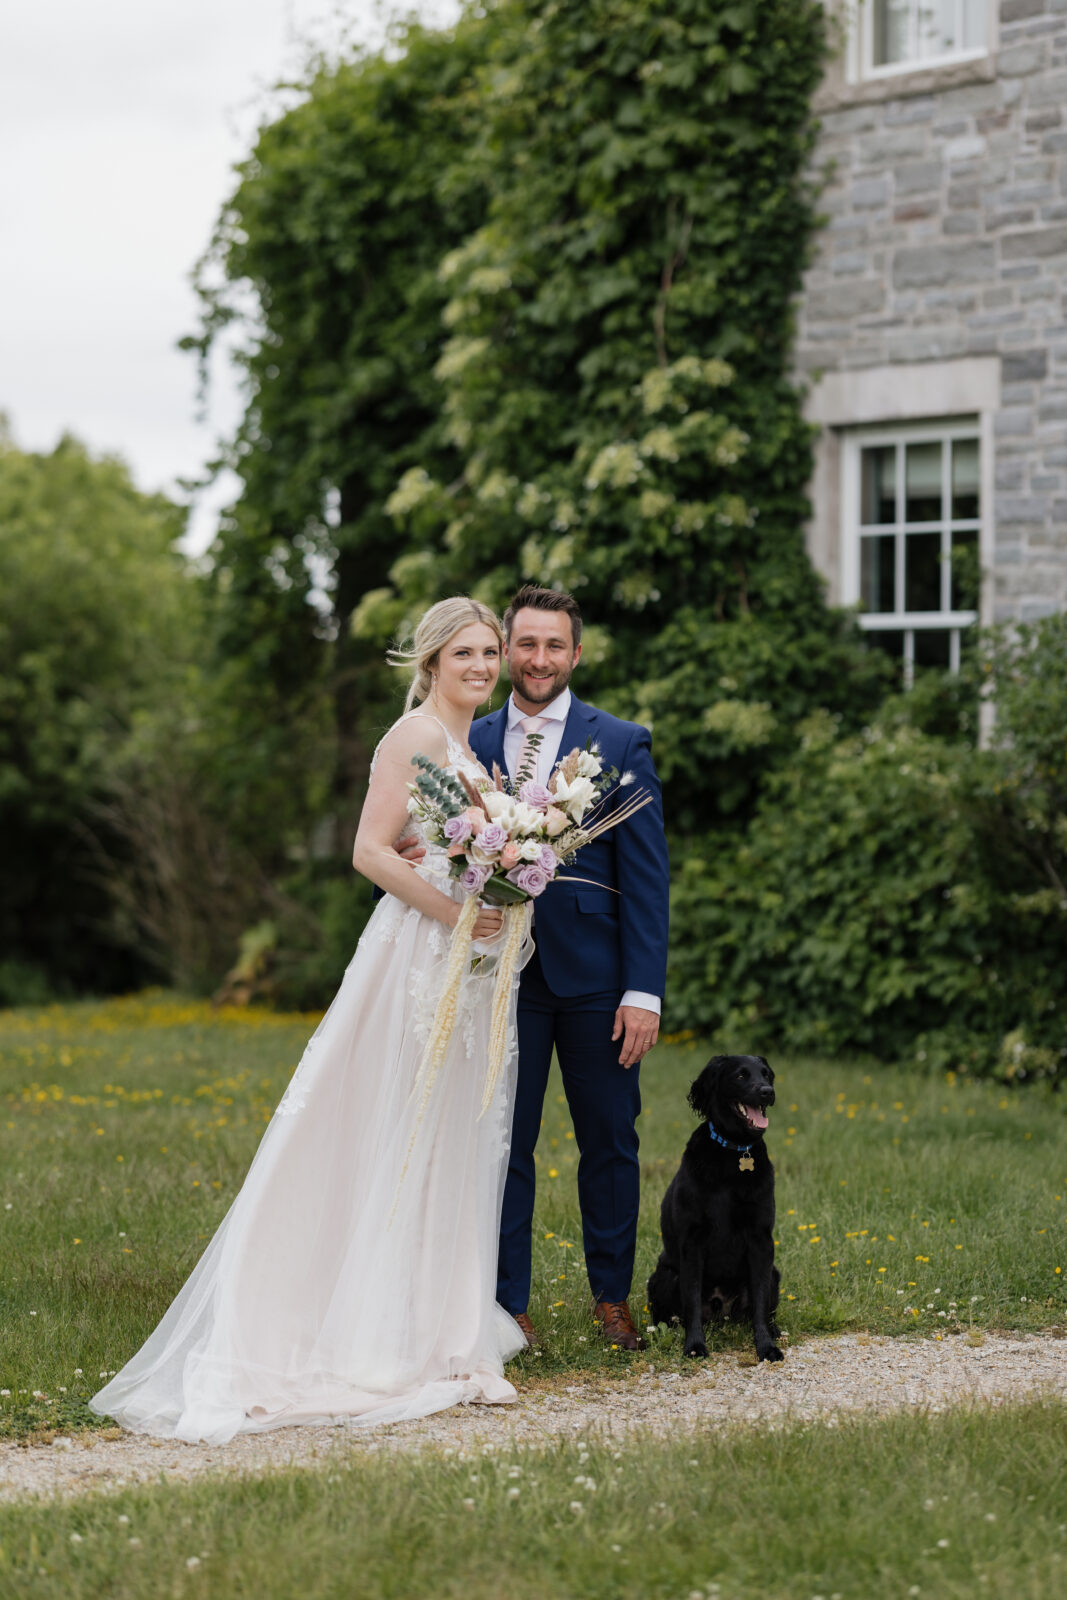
638, 1029
409, 849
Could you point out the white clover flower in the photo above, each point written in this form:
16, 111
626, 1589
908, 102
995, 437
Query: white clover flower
513, 1494
468, 1505
75, 1538
577, 1507
192, 1563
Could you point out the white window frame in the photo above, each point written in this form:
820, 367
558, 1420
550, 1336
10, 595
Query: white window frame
861, 43
900, 435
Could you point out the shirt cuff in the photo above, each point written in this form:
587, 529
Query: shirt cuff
647, 1002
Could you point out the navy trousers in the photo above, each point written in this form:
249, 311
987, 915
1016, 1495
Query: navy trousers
604, 1101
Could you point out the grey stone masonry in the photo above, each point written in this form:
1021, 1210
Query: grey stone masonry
945, 237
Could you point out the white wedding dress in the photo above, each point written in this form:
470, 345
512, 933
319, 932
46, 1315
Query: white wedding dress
354, 1275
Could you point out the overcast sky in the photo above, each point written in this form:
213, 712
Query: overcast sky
120, 121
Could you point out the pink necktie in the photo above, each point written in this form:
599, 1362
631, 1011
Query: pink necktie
528, 755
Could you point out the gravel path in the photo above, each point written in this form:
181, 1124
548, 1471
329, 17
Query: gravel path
821, 1378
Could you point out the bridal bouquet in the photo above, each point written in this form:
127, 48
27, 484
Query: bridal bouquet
506, 843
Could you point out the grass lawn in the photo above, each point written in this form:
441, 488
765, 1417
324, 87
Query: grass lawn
966, 1504
905, 1203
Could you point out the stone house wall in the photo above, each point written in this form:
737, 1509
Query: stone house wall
939, 287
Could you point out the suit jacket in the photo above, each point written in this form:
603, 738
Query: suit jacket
589, 939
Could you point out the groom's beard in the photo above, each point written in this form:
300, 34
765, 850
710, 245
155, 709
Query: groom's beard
540, 691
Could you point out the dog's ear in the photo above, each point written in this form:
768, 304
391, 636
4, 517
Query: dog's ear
702, 1092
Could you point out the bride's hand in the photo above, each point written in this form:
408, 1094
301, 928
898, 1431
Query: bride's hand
487, 924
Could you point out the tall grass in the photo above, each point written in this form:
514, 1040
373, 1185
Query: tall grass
905, 1203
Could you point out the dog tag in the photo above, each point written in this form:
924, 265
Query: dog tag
746, 1164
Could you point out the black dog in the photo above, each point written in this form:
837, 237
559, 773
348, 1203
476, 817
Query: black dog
717, 1217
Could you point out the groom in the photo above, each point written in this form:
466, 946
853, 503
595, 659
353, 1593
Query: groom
594, 985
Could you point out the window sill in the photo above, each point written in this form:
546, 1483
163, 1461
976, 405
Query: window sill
834, 94
892, 621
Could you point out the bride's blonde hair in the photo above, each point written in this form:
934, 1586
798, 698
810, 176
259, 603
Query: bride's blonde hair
432, 632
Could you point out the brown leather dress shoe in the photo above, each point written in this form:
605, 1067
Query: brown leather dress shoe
532, 1341
617, 1325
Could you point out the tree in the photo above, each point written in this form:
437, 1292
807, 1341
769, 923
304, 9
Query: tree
616, 379
94, 608
333, 235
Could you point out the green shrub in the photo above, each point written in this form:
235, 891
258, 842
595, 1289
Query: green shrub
897, 892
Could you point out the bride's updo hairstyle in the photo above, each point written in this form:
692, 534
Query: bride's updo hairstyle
433, 631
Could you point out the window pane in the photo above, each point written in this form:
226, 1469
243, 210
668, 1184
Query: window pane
966, 574
922, 572
890, 21
965, 478
877, 489
890, 641
922, 483
878, 587
937, 27
932, 646
973, 24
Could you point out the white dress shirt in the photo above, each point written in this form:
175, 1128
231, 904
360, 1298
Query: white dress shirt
555, 715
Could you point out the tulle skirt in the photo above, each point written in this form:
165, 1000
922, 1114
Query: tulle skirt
354, 1275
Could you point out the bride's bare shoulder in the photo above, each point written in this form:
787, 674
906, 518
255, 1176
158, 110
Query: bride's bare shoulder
413, 735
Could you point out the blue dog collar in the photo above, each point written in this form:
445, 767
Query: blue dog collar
728, 1144
747, 1162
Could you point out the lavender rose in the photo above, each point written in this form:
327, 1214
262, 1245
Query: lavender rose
493, 838
532, 880
472, 880
458, 830
548, 860
536, 795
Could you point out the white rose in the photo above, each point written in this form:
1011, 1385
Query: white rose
496, 804
589, 764
527, 819
530, 849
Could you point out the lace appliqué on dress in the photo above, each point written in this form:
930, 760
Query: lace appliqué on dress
295, 1097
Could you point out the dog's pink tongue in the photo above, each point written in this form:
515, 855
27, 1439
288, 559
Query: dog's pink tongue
755, 1117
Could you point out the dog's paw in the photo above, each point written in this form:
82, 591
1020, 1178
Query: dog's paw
697, 1349
769, 1352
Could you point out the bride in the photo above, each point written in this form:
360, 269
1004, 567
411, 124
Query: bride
354, 1275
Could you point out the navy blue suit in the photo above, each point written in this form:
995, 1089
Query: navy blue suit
592, 946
